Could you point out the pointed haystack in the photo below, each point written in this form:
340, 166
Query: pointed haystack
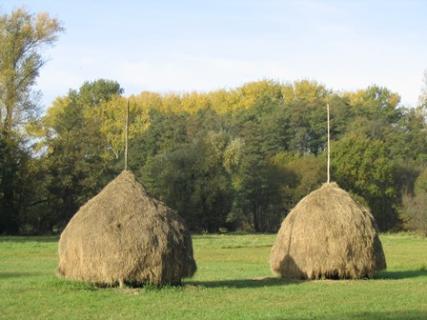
124, 236
328, 235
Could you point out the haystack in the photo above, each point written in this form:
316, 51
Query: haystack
328, 235
122, 235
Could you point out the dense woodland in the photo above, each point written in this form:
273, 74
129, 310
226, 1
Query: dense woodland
236, 159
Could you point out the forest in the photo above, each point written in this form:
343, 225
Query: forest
227, 160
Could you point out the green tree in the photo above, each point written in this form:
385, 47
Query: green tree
12, 160
305, 104
415, 206
376, 112
362, 165
303, 175
74, 160
185, 167
256, 183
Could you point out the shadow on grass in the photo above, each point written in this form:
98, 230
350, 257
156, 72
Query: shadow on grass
243, 283
273, 281
397, 275
368, 315
22, 239
399, 315
387, 315
10, 275
246, 246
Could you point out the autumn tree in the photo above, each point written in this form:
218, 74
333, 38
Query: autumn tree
22, 37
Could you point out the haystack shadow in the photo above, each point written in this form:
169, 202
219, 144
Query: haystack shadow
399, 275
390, 315
10, 275
368, 315
243, 283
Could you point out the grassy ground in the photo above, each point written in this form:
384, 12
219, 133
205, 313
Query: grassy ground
233, 282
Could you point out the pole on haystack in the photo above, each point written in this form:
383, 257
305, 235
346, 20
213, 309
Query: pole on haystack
329, 147
126, 135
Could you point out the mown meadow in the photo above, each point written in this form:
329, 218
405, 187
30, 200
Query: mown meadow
233, 282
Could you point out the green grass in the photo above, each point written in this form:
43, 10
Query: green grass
233, 282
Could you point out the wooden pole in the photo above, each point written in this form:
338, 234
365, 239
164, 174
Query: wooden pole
329, 147
126, 135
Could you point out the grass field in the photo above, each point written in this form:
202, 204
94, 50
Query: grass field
233, 282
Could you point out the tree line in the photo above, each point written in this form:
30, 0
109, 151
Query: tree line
236, 159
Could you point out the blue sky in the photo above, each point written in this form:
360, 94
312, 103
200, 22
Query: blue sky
203, 45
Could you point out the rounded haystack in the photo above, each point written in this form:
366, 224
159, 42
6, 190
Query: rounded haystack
122, 235
328, 235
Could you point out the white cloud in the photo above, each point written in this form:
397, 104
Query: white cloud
202, 74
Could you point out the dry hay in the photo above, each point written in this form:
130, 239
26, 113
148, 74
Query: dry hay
122, 235
328, 235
